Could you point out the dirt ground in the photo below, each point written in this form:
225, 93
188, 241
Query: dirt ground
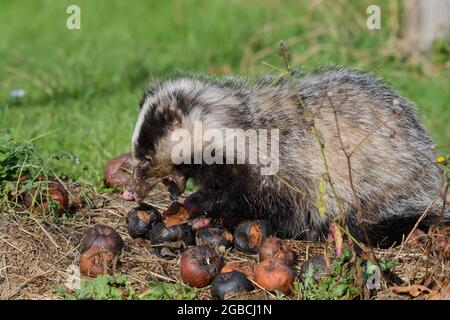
35, 254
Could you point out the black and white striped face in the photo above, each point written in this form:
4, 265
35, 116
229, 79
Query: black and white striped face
177, 103
164, 108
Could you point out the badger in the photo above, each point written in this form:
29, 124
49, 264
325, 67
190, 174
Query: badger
348, 147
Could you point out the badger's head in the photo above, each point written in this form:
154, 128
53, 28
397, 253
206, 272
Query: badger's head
179, 103
151, 145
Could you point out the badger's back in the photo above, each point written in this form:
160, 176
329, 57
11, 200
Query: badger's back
379, 158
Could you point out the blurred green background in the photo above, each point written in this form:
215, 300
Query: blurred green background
83, 86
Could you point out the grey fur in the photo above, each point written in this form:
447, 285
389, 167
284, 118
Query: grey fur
393, 169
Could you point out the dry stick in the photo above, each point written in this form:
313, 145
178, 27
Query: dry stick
161, 276
6, 272
283, 55
421, 217
16, 189
47, 234
11, 245
350, 177
314, 130
25, 283
321, 145
265, 291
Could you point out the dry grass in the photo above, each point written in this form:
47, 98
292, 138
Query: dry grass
35, 253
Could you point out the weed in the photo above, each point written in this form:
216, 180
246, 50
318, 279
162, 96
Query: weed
119, 288
24, 167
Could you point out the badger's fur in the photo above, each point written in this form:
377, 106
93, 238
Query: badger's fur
393, 175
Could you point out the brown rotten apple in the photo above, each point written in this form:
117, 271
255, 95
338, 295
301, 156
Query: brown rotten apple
230, 283
140, 220
249, 235
175, 214
95, 261
46, 195
199, 266
274, 275
118, 171
103, 237
214, 237
274, 247
160, 233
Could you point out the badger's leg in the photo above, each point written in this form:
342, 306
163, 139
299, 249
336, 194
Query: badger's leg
225, 208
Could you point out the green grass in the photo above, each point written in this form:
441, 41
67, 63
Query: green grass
119, 288
83, 86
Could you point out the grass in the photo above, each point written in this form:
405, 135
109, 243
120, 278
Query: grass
83, 86
119, 288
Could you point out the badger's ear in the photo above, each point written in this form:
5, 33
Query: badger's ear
141, 103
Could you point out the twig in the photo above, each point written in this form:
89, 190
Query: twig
265, 291
25, 283
5, 267
47, 234
11, 245
421, 218
161, 276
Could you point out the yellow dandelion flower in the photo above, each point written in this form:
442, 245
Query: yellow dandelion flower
441, 160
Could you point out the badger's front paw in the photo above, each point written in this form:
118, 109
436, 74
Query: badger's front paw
221, 211
199, 203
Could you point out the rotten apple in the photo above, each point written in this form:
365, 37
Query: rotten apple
118, 171
103, 237
246, 269
214, 237
140, 220
249, 235
160, 233
226, 284
47, 194
95, 261
175, 214
199, 266
274, 275
274, 247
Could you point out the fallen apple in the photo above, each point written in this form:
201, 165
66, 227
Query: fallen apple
274, 275
118, 171
246, 269
95, 261
175, 214
199, 266
274, 247
140, 220
160, 233
249, 235
226, 284
214, 237
46, 194
102, 237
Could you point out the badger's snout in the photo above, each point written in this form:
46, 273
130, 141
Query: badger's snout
141, 182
